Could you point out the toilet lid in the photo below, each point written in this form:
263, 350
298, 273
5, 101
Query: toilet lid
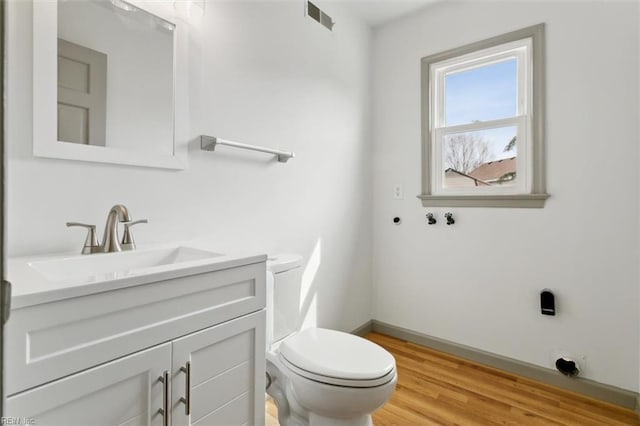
334, 354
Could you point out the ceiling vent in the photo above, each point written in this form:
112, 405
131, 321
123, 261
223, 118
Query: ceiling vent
319, 16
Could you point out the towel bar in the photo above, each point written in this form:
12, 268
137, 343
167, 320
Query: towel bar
209, 143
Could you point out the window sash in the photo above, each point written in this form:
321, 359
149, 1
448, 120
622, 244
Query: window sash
523, 182
521, 51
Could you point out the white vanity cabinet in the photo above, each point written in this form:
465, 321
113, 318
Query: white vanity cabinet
101, 358
122, 392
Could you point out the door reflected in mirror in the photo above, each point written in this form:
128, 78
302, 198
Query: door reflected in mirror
115, 67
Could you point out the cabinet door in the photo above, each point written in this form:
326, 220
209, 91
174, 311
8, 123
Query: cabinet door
225, 374
122, 392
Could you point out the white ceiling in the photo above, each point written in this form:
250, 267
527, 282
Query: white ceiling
378, 12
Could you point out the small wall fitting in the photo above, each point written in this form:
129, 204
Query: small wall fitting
449, 217
567, 366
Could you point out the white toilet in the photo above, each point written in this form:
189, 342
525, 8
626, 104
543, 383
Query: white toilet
319, 377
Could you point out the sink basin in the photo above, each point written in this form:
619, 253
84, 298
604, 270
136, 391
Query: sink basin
100, 267
47, 278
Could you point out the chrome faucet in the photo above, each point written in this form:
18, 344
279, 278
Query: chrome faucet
118, 213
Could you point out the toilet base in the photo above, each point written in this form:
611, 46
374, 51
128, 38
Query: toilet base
314, 419
302, 402
318, 420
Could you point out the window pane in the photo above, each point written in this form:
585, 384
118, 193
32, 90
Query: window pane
481, 158
481, 94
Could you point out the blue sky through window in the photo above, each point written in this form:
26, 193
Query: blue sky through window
482, 94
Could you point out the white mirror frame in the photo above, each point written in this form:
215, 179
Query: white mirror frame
45, 95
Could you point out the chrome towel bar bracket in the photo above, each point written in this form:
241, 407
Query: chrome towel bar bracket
209, 143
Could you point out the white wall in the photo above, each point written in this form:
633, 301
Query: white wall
261, 73
478, 282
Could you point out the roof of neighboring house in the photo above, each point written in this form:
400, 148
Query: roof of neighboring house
494, 170
476, 181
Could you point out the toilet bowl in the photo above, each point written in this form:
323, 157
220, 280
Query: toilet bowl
317, 376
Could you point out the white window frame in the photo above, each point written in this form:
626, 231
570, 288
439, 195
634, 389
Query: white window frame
525, 46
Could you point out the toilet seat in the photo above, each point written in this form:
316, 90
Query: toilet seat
335, 381
337, 358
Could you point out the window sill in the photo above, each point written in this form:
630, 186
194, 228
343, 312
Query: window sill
510, 201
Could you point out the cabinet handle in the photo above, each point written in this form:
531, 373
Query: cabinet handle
164, 379
186, 399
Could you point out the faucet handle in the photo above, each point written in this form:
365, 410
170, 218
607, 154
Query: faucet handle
127, 239
91, 244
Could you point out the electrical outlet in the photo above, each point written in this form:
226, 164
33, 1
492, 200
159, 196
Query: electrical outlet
398, 191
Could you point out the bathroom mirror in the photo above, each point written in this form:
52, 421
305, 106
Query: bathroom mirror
105, 77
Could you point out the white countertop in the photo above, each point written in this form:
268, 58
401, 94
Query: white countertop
30, 287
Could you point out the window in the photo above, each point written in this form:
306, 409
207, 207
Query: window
483, 123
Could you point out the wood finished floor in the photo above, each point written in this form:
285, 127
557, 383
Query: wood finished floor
435, 388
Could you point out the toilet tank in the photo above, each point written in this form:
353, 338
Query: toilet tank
284, 281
